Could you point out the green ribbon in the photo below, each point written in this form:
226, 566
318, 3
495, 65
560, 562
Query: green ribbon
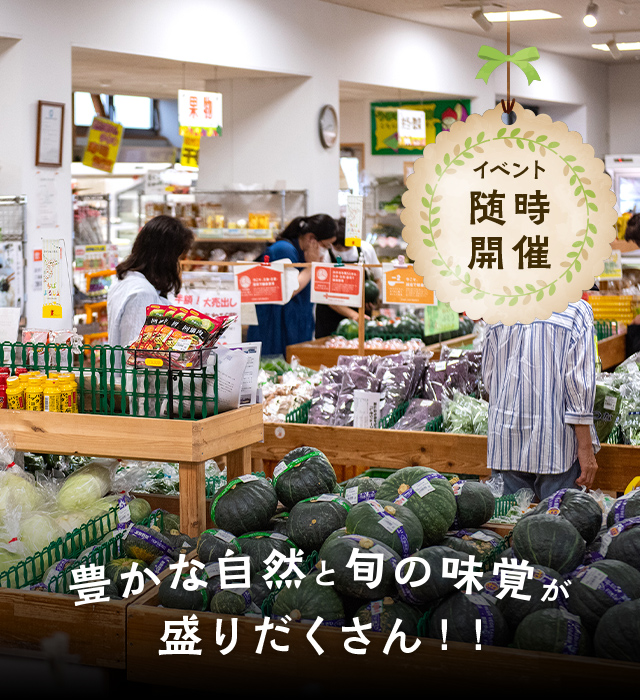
495, 58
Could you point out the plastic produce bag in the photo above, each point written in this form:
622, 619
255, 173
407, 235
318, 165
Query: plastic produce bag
464, 414
606, 410
418, 414
85, 486
396, 375
435, 376
356, 377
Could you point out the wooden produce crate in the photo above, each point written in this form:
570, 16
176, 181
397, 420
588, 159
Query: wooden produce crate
613, 350
354, 450
460, 666
190, 443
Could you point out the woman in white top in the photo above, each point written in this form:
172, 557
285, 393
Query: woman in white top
146, 277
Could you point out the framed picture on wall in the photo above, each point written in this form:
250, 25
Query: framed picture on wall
49, 136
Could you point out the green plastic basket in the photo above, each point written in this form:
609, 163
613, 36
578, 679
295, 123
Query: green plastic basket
615, 437
605, 329
300, 414
503, 505
392, 418
435, 425
145, 390
492, 557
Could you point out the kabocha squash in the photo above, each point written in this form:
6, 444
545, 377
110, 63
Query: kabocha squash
338, 552
600, 586
622, 542
259, 545
461, 612
309, 601
618, 633
279, 523
303, 473
396, 526
160, 564
231, 601
182, 598
382, 615
311, 521
475, 504
435, 586
578, 507
514, 609
548, 540
625, 507
427, 494
146, 543
360, 488
245, 504
556, 631
116, 567
478, 542
213, 544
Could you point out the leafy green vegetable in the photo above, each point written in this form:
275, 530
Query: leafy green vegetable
464, 414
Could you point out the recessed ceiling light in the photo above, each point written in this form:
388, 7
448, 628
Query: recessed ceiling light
590, 18
622, 46
521, 15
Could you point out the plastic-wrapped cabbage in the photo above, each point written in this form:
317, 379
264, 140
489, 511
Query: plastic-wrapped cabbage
84, 487
464, 414
38, 531
18, 490
606, 410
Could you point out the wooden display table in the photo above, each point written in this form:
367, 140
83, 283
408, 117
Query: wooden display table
190, 443
613, 350
314, 354
353, 450
460, 666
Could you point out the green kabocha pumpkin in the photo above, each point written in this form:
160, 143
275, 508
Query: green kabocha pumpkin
279, 523
303, 473
311, 521
382, 616
578, 507
348, 329
258, 546
116, 567
308, 601
475, 504
396, 526
618, 633
246, 504
360, 488
338, 552
182, 598
555, 631
213, 544
474, 541
625, 507
599, 586
427, 494
461, 612
622, 542
371, 292
414, 590
548, 540
231, 601
514, 610
146, 543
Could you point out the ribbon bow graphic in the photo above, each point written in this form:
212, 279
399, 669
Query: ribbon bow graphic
495, 58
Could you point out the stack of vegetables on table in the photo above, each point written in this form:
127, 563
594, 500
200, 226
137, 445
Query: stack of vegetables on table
285, 387
565, 544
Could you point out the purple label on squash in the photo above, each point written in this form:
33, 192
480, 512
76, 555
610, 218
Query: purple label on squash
408, 595
366, 496
151, 539
487, 629
574, 632
492, 586
615, 531
161, 564
554, 502
620, 508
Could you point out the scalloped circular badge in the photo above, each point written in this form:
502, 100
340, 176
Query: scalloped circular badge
509, 223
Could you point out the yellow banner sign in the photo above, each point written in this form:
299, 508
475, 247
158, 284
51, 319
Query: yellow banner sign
103, 144
190, 151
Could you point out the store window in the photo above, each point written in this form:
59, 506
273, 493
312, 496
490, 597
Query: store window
136, 114
83, 109
133, 112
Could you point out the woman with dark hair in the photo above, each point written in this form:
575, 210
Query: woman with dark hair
146, 277
306, 239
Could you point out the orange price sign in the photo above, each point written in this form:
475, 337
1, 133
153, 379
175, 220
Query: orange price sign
403, 286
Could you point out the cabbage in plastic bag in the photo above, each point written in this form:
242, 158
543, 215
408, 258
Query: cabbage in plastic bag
84, 487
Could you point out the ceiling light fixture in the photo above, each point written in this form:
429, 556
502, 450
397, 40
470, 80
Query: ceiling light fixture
521, 15
481, 20
621, 46
590, 18
613, 49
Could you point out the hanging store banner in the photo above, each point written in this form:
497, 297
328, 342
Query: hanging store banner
190, 150
353, 223
103, 144
197, 109
336, 284
261, 284
440, 318
403, 286
51, 265
386, 130
412, 128
509, 223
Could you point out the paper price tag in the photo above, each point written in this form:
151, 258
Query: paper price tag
478, 599
456, 352
351, 495
277, 536
245, 478
423, 487
124, 513
441, 366
593, 578
281, 466
377, 549
376, 506
213, 569
326, 497
610, 403
483, 537
389, 524
224, 536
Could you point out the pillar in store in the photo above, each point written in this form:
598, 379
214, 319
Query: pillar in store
37, 67
270, 136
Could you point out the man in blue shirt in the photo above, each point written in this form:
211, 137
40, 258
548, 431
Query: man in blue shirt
541, 383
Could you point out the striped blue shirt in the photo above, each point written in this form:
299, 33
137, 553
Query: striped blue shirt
541, 380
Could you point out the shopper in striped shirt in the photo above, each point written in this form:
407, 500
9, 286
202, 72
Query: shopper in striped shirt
541, 383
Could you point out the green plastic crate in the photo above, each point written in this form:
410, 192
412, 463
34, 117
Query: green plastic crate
133, 391
435, 425
300, 414
605, 329
392, 418
503, 505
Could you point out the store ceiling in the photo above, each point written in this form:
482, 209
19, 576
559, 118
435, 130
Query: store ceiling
619, 19
351, 92
113, 73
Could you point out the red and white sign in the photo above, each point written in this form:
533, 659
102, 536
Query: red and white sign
214, 302
260, 284
200, 109
340, 285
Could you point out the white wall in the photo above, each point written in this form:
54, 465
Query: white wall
624, 108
